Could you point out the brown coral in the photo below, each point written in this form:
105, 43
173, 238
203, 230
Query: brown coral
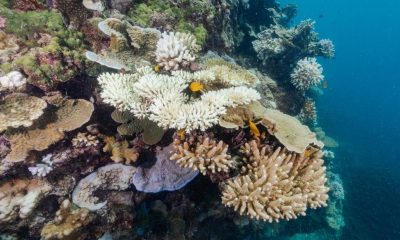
202, 153
121, 152
144, 41
68, 223
19, 197
20, 110
282, 186
70, 116
8, 45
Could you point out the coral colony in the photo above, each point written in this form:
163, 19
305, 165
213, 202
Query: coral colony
153, 119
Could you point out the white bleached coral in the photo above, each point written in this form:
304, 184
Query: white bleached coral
307, 73
44, 168
326, 48
13, 80
176, 50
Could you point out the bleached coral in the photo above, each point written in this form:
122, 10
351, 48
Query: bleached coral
11, 81
176, 50
326, 48
161, 98
307, 73
44, 168
202, 153
283, 185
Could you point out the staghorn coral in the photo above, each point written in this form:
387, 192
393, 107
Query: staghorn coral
161, 99
13, 80
44, 168
202, 153
19, 197
109, 177
282, 186
306, 74
20, 110
289, 131
164, 175
176, 50
71, 115
121, 152
68, 223
229, 73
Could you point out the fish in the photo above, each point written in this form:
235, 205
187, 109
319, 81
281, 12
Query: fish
156, 68
181, 134
254, 129
196, 86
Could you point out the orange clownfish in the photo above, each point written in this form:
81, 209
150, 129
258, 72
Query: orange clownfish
254, 129
196, 86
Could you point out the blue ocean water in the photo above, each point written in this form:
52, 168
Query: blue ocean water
361, 107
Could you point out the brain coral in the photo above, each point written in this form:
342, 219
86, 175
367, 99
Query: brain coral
20, 110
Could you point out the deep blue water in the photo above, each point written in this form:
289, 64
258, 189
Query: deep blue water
361, 108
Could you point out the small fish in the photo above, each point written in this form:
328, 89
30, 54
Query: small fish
254, 129
196, 86
156, 68
181, 134
325, 84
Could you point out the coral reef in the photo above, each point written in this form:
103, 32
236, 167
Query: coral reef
283, 186
109, 177
121, 152
12, 81
20, 110
44, 168
68, 223
202, 153
164, 175
306, 74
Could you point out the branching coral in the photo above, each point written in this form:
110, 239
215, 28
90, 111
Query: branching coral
306, 74
44, 168
202, 153
19, 197
68, 223
176, 50
85, 140
164, 175
71, 115
121, 152
109, 177
308, 113
20, 110
283, 186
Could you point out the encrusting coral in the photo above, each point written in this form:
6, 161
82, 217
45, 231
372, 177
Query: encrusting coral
19, 197
202, 153
283, 185
164, 175
20, 109
306, 74
71, 115
68, 223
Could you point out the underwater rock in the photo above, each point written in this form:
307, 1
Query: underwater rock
109, 177
19, 198
164, 175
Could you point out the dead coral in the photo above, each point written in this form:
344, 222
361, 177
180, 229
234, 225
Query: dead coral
283, 186
19, 197
70, 116
68, 223
289, 131
202, 153
20, 110
121, 152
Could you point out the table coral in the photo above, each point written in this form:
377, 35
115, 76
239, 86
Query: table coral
68, 223
71, 115
20, 109
283, 186
164, 175
109, 177
20, 197
202, 153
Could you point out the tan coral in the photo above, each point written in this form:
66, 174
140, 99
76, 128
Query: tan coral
20, 110
8, 45
202, 153
70, 116
295, 136
121, 152
238, 117
85, 139
144, 41
230, 73
282, 186
19, 198
68, 223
